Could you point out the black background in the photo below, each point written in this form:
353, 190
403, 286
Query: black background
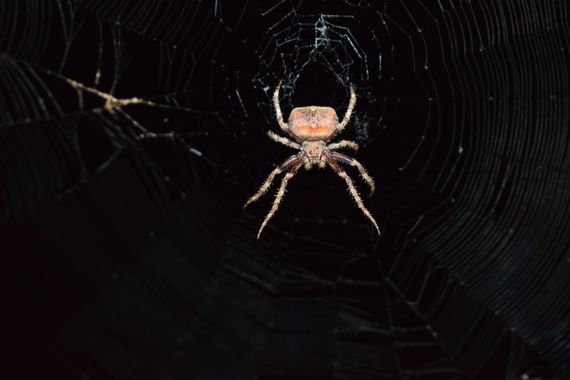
125, 250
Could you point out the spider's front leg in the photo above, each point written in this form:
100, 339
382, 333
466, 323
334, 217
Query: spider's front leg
278, 170
264, 187
353, 162
280, 193
341, 173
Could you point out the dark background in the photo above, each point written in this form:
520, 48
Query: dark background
125, 251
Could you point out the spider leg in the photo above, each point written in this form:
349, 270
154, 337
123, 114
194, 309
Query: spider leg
265, 186
352, 162
348, 113
280, 194
263, 189
353, 192
283, 140
343, 144
278, 112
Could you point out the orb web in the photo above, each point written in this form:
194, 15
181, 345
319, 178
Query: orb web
132, 133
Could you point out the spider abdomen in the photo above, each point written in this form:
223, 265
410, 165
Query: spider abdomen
313, 122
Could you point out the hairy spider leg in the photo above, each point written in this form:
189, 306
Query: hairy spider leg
353, 192
278, 112
283, 140
353, 162
280, 193
348, 113
343, 144
265, 186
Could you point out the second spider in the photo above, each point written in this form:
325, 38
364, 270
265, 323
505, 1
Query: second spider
311, 128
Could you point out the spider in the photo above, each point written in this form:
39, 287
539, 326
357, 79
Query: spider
312, 128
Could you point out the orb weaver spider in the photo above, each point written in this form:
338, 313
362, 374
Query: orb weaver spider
311, 128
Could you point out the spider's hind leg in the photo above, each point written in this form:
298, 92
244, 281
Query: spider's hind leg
282, 124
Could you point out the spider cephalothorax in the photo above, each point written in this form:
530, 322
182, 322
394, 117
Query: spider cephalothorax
312, 128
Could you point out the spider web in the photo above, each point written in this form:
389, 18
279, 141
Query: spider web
131, 134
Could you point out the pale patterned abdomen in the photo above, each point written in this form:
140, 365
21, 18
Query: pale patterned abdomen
313, 122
